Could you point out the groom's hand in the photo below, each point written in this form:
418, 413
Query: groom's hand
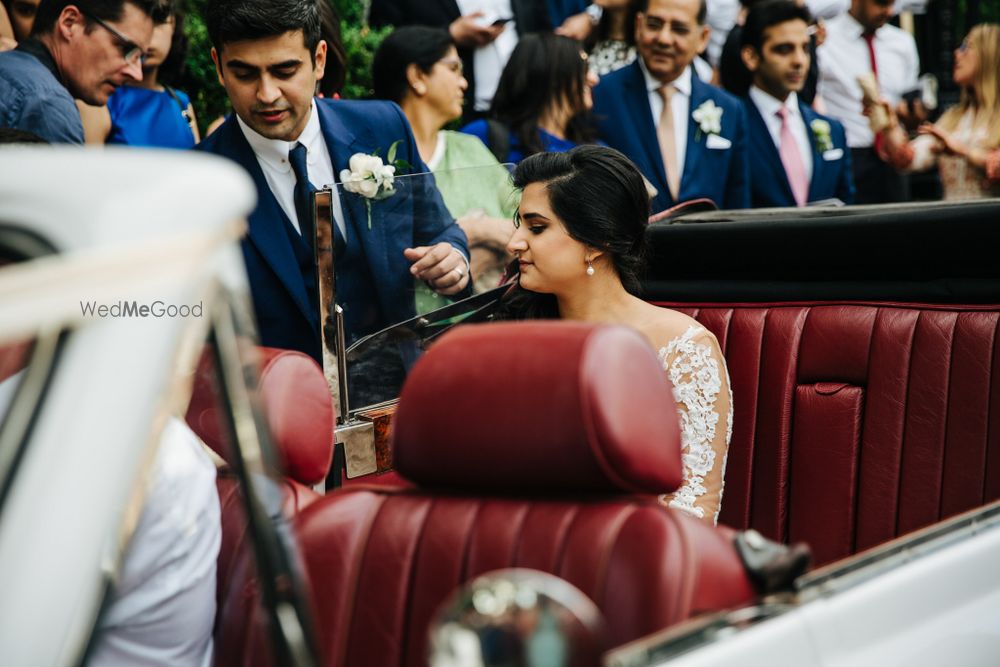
441, 265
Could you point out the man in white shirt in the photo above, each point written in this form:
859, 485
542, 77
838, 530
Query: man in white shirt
801, 156
859, 42
162, 604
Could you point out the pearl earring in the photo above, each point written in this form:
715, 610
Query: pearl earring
590, 268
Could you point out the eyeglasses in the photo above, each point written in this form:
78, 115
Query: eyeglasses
130, 51
964, 46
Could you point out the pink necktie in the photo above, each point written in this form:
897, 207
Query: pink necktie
791, 159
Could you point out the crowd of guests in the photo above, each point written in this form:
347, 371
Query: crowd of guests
647, 77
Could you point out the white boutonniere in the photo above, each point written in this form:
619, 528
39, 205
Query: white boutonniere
371, 178
709, 119
821, 131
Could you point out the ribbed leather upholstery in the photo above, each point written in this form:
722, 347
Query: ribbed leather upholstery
296, 403
539, 408
381, 560
855, 423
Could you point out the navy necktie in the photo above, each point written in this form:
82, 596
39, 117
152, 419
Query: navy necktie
303, 193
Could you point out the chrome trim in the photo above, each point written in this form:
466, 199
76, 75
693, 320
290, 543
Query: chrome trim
358, 438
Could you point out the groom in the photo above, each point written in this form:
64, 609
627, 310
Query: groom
269, 56
687, 137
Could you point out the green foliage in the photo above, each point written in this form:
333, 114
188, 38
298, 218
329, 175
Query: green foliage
209, 98
351, 12
199, 80
360, 43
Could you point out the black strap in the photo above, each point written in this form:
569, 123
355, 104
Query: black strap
498, 139
183, 108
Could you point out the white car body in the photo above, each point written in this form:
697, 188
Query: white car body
143, 226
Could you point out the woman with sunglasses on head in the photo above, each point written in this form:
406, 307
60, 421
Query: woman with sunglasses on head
580, 242
965, 142
150, 112
542, 102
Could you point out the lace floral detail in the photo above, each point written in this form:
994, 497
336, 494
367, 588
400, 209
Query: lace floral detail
697, 379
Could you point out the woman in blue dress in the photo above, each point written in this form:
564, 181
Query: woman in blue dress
150, 113
542, 102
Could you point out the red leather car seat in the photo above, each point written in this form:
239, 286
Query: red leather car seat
296, 402
537, 445
855, 423
295, 399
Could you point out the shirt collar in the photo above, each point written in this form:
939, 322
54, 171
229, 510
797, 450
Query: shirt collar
681, 84
41, 52
274, 152
769, 105
856, 29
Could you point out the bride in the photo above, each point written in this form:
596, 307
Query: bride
579, 241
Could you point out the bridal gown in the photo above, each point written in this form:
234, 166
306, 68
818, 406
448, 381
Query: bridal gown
697, 369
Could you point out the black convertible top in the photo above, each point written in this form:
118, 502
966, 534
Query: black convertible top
939, 252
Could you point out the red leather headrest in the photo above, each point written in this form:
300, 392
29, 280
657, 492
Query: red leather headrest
542, 408
296, 402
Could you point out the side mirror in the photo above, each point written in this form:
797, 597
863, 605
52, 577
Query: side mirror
517, 617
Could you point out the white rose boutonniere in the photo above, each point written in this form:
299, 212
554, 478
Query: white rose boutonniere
709, 119
821, 131
371, 178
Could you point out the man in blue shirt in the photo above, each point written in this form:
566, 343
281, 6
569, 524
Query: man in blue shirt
84, 50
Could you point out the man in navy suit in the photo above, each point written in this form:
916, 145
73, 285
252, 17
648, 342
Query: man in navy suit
687, 137
269, 57
800, 155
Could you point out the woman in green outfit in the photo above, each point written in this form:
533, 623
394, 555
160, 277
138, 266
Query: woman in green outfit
418, 68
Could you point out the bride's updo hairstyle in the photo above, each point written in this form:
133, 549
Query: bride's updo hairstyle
602, 200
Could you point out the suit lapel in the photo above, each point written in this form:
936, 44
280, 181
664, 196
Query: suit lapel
342, 144
808, 116
266, 230
694, 148
642, 119
763, 147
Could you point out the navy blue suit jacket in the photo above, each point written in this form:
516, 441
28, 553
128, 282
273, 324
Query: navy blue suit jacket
625, 122
414, 216
831, 176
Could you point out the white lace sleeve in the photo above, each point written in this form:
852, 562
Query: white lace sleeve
696, 368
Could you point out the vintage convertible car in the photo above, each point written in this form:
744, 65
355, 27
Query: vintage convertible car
862, 345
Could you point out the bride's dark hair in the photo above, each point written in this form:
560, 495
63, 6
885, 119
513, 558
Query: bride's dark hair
602, 200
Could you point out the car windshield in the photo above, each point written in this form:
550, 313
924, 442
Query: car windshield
380, 352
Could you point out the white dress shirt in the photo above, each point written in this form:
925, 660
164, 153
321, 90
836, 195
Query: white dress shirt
163, 602
844, 57
720, 16
488, 61
272, 156
768, 106
680, 107
827, 9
